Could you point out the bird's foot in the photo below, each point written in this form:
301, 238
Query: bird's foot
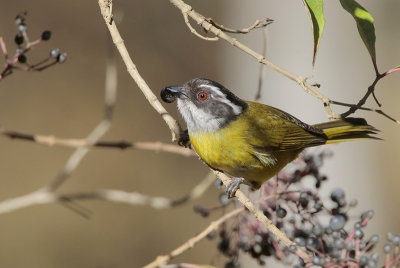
233, 186
184, 139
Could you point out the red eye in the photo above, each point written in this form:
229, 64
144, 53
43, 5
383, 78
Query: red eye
202, 96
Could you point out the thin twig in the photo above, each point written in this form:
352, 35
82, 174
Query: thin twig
193, 31
261, 67
106, 9
379, 111
301, 80
257, 24
164, 259
362, 101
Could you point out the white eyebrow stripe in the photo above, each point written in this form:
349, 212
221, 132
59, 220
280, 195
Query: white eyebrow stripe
236, 109
214, 90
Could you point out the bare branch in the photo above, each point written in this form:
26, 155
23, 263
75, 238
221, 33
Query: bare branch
42, 197
362, 101
261, 67
164, 259
280, 236
379, 111
106, 9
185, 17
257, 24
51, 140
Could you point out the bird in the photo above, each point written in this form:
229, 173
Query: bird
248, 140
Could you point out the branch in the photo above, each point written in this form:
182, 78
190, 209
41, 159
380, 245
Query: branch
41, 197
261, 67
257, 24
164, 259
280, 236
378, 111
51, 140
106, 9
203, 22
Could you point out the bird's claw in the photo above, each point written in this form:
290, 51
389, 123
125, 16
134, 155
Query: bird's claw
233, 186
184, 139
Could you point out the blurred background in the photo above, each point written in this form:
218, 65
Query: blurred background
67, 101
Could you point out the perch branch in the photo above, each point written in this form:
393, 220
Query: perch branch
280, 236
106, 9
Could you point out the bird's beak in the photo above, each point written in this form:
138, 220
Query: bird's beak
169, 94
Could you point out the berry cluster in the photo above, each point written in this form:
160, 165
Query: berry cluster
19, 61
319, 227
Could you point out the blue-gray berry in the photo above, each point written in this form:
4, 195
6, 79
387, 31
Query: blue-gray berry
54, 53
363, 261
339, 243
375, 239
337, 195
318, 229
337, 222
387, 248
61, 58
293, 248
358, 233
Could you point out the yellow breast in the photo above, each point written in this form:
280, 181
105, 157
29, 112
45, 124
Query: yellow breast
227, 149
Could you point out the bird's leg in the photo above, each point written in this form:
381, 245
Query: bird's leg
233, 186
184, 139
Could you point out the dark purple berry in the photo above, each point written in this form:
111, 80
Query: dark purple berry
337, 195
46, 35
19, 39
22, 58
281, 212
303, 199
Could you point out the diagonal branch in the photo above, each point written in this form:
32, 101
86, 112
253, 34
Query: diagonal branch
164, 259
106, 9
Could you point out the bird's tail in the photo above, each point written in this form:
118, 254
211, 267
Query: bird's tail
348, 129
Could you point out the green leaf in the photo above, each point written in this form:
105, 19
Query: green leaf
365, 24
316, 13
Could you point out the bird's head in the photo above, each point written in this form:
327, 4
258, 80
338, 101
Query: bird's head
205, 105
